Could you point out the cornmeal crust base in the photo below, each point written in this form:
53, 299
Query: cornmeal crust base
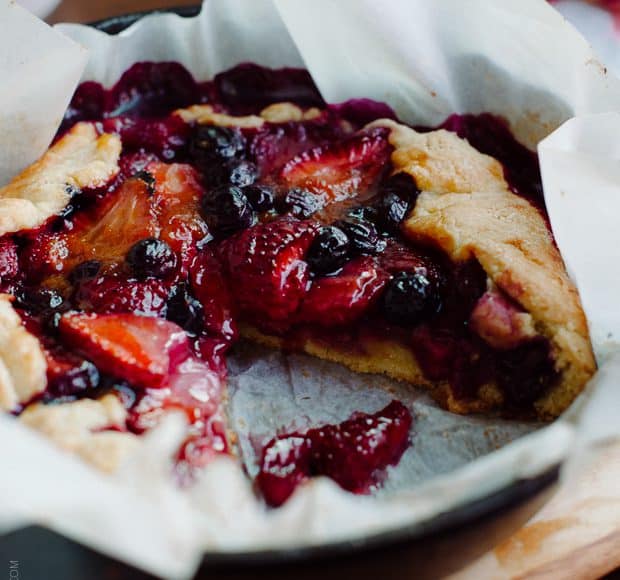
384, 357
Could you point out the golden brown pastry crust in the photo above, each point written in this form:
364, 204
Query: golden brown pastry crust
79, 426
473, 214
22, 362
81, 159
441, 161
275, 113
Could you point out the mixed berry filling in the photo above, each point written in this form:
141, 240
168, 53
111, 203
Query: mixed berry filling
354, 453
291, 226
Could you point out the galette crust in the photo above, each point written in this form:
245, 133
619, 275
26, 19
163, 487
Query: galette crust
467, 210
275, 113
207, 115
22, 362
81, 159
441, 161
286, 112
79, 427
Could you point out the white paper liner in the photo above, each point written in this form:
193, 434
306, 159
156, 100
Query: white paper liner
39, 68
599, 28
427, 59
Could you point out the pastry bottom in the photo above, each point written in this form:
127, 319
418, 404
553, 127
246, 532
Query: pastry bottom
386, 356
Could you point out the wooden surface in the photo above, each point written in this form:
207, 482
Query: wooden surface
90, 10
576, 535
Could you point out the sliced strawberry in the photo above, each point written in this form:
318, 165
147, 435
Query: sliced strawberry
9, 262
213, 352
274, 144
133, 163
266, 269
115, 293
340, 169
191, 387
177, 201
160, 200
68, 374
197, 391
163, 137
210, 287
500, 322
399, 258
354, 453
201, 448
105, 233
45, 255
341, 299
138, 349
435, 351
121, 220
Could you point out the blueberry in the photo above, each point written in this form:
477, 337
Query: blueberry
72, 190
148, 179
210, 143
236, 172
46, 303
329, 251
363, 236
392, 210
242, 173
75, 381
85, 271
397, 198
300, 203
42, 301
403, 184
227, 209
261, 197
123, 391
524, 373
151, 257
363, 212
409, 298
185, 310
67, 212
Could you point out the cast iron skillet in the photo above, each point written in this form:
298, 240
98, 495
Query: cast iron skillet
422, 535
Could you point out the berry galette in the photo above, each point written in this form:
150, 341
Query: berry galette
170, 218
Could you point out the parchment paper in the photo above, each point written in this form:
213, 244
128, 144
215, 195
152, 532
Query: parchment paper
427, 59
39, 68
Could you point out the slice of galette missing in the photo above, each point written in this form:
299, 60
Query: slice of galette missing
170, 218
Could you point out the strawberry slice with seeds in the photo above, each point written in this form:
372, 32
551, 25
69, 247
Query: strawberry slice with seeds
115, 294
354, 453
68, 374
121, 220
191, 386
138, 349
340, 169
211, 289
274, 144
266, 269
105, 233
177, 200
342, 299
9, 262
45, 255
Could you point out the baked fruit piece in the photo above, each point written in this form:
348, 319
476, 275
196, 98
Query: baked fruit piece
171, 218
